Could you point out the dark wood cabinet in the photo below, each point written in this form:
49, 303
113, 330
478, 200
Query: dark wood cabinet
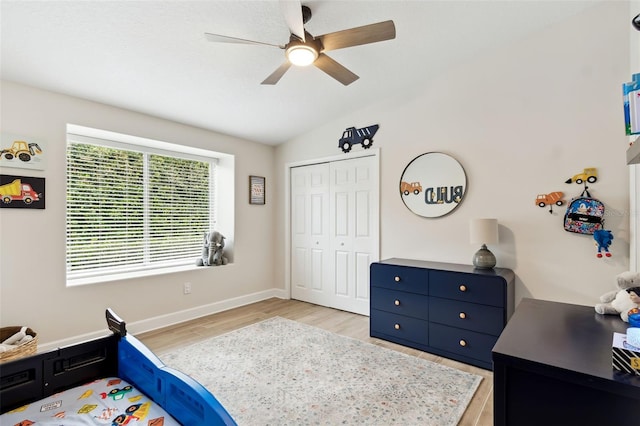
553, 366
451, 310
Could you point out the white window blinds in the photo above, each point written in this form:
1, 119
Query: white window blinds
129, 208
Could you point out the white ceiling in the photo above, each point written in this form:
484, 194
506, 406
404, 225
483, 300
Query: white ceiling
152, 56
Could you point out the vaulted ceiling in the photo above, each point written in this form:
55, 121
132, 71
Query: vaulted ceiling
153, 57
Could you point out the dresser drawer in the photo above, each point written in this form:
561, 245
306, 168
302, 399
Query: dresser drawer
400, 302
399, 326
465, 315
485, 290
434, 306
462, 342
403, 278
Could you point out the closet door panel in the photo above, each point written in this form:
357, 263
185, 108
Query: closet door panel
334, 232
310, 269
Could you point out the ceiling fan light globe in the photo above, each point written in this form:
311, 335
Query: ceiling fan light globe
301, 55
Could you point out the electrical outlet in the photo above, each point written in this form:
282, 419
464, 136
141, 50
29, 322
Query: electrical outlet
187, 288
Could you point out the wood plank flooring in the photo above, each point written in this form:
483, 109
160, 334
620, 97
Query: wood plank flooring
479, 412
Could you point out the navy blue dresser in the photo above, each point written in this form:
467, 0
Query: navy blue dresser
451, 310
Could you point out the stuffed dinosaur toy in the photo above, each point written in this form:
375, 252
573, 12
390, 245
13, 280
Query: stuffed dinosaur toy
603, 239
212, 250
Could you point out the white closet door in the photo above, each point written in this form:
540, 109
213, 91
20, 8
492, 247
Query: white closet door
332, 268
354, 225
310, 269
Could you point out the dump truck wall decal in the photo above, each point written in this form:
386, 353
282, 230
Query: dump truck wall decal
21, 192
352, 136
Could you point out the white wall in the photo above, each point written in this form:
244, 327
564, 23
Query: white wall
32, 248
521, 120
634, 51
634, 170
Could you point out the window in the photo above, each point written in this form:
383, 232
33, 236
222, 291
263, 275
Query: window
134, 208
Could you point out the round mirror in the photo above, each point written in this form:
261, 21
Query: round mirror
433, 184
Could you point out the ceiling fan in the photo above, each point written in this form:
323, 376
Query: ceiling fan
304, 49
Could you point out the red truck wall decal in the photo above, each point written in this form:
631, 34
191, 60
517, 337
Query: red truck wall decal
21, 192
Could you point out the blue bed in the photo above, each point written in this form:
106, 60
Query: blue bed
132, 375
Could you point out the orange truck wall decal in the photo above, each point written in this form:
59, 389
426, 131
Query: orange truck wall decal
549, 199
410, 187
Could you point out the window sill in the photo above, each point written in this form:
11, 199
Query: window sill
98, 279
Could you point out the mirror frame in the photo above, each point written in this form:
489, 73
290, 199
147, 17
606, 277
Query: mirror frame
433, 184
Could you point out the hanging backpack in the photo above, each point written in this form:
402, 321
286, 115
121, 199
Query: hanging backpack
584, 215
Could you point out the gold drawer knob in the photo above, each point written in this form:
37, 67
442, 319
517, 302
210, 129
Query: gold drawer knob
397, 279
462, 315
463, 287
463, 343
397, 326
396, 302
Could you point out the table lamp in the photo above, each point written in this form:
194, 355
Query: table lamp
484, 231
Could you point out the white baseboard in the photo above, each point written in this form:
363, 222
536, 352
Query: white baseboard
161, 321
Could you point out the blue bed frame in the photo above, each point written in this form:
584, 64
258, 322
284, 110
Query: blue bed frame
29, 379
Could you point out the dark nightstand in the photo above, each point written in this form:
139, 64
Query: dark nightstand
552, 366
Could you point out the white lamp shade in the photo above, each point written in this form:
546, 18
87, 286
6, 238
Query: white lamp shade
483, 231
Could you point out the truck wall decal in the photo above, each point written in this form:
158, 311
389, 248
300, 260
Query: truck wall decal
352, 136
22, 192
550, 199
22, 152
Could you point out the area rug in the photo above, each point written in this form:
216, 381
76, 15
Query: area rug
282, 372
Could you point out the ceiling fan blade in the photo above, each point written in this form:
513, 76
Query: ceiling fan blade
366, 34
277, 74
226, 39
335, 70
292, 11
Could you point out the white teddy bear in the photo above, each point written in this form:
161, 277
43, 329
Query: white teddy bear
618, 301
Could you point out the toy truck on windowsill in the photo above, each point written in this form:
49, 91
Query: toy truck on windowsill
353, 136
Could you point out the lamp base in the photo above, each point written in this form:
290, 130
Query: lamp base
484, 259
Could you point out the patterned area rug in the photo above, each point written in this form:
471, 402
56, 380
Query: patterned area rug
282, 372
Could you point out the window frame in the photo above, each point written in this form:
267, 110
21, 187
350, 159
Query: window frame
79, 134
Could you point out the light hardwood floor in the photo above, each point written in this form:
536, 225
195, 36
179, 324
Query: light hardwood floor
479, 412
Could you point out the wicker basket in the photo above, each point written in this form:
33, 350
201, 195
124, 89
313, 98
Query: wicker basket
20, 351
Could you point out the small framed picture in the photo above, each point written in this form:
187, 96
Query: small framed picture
256, 190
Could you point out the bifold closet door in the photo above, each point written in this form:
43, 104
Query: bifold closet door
310, 269
334, 232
